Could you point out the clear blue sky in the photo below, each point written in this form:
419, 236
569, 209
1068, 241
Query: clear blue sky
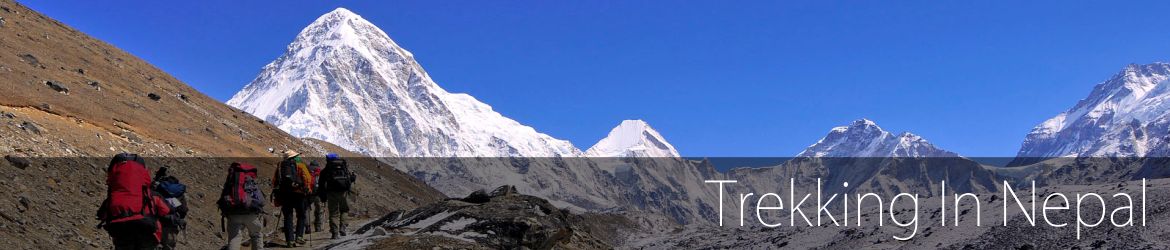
717, 79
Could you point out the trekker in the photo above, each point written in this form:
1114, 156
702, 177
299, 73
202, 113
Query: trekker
291, 185
336, 183
241, 202
174, 194
131, 211
316, 203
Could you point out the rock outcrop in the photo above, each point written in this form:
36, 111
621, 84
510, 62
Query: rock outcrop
501, 219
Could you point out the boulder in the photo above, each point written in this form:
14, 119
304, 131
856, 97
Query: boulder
504, 190
477, 197
30, 127
30, 59
18, 162
57, 87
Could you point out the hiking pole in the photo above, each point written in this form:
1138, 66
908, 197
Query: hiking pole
308, 232
279, 231
264, 227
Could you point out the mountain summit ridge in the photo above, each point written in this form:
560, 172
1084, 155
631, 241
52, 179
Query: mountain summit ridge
864, 138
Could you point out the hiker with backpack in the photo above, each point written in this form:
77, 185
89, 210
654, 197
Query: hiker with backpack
315, 202
173, 194
241, 203
131, 211
291, 187
336, 183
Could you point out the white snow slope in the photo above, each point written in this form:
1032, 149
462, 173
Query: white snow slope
1127, 115
632, 138
343, 80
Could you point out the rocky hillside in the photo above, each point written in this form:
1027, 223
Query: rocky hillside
70, 101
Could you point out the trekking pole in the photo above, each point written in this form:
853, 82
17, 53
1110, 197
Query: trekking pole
279, 231
264, 225
307, 225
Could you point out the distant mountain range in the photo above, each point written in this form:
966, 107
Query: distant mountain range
343, 80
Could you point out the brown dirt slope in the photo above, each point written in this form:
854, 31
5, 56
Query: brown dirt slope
69, 101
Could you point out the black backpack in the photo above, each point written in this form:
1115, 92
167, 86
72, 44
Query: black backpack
340, 179
291, 176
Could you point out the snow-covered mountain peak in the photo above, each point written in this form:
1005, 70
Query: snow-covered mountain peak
860, 128
864, 138
336, 20
863, 122
342, 26
343, 80
340, 12
1125, 115
632, 138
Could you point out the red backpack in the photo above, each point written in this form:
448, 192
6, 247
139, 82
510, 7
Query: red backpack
241, 194
128, 193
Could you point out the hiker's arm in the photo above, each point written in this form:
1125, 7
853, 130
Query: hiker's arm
275, 186
161, 207
101, 213
326, 174
276, 178
182, 211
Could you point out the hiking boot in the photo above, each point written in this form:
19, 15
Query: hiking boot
333, 236
343, 232
300, 242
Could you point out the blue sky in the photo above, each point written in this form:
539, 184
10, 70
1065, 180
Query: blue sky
717, 79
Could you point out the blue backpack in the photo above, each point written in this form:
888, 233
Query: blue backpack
170, 187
